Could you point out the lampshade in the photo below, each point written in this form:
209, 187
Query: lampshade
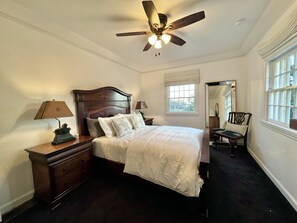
158, 44
141, 105
53, 109
56, 109
152, 39
166, 38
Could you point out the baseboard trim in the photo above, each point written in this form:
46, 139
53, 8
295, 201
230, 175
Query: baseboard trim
16, 202
276, 182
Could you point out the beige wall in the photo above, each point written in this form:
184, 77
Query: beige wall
35, 67
155, 95
275, 151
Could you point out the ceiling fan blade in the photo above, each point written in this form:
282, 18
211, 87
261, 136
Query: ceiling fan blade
176, 40
151, 12
147, 47
188, 20
132, 33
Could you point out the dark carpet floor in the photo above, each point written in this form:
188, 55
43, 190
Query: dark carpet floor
237, 191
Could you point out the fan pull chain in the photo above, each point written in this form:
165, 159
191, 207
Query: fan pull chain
157, 52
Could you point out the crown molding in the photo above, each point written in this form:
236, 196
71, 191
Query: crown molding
21, 15
273, 13
193, 61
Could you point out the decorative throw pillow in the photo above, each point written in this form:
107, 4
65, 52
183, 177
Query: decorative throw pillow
107, 127
128, 117
137, 121
94, 128
121, 126
241, 129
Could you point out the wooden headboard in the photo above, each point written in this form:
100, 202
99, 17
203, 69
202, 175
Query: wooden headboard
101, 102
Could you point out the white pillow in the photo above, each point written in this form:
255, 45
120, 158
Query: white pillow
137, 121
241, 129
121, 126
106, 126
129, 118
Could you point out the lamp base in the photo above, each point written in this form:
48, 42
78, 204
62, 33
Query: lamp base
62, 135
142, 114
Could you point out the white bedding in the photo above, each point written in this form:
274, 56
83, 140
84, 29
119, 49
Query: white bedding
166, 155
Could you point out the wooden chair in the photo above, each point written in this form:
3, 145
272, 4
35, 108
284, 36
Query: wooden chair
237, 120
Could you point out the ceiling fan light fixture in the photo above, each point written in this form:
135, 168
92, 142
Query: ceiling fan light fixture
152, 39
166, 38
158, 44
159, 27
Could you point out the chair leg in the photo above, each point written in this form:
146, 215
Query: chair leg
233, 144
215, 137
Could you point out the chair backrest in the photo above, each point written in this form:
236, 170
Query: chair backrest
239, 118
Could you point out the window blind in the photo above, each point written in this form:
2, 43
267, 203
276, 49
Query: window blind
285, 34
182, 78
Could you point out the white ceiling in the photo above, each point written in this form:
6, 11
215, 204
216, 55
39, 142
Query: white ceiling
216, 35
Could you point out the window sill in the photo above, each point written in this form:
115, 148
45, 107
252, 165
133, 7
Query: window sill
183, 114
280, 129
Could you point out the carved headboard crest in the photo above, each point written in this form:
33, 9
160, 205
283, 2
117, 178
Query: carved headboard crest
101, 102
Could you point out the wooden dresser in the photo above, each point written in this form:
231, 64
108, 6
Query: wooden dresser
58, 169
214, 122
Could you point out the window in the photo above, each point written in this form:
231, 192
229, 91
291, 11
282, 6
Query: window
228, 105
181, 92
181, 98
282, 88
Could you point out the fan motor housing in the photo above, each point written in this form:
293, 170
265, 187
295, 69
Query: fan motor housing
163, 20
158, 30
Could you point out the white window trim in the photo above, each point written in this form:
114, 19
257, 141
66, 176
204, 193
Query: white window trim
182, 114
182, 78
281, 38
280, 129
277, 127
195, 113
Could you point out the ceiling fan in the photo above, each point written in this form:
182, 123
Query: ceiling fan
159, 29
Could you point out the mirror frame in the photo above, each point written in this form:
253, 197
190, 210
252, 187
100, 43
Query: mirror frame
218, 83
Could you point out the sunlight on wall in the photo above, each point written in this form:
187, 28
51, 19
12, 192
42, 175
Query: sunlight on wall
34, 68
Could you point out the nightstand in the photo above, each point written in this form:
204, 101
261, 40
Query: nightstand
148, 121
58, 169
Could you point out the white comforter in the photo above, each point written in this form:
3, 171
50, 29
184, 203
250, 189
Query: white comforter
168, 156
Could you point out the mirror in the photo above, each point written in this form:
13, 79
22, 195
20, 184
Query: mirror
220, 100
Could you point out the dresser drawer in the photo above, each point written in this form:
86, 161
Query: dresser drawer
71, 172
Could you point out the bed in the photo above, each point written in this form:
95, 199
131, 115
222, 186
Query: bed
133, 156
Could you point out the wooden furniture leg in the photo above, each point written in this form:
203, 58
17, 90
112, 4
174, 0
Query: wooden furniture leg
233, 144
215, 137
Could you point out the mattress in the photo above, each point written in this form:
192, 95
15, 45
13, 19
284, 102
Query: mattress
166, 155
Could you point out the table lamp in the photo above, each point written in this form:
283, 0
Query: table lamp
141, 105
56, 109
